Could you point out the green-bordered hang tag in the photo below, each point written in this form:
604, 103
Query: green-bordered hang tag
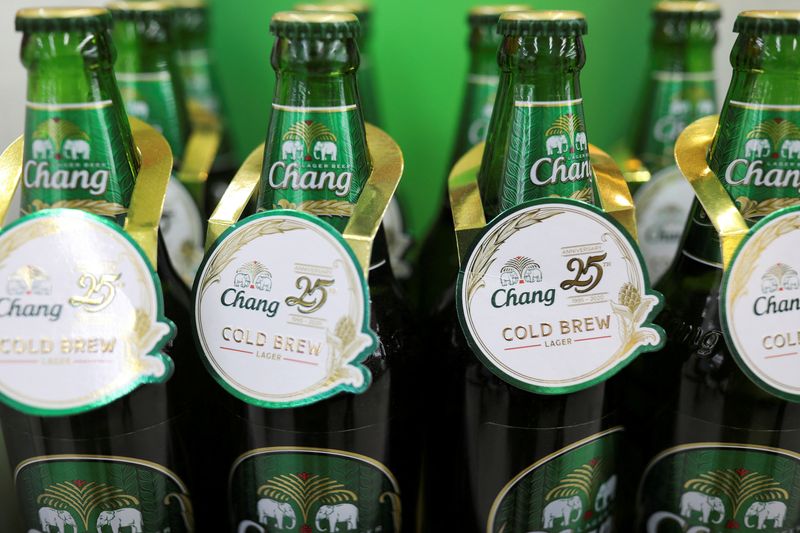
282, 311
553, 295
760, 303
83, 323
281, 300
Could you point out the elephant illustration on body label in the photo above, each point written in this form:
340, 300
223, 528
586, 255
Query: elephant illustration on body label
130, 518
313, 491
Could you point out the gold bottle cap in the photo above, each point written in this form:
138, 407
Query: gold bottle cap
687, 7
189, 4
771, 14
308, 17
358, 8
496, 11
122, 5
60, 12
542, 16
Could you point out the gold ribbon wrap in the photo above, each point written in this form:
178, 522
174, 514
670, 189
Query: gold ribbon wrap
368, 212
201, 150
691, 151
465, 197
147, 200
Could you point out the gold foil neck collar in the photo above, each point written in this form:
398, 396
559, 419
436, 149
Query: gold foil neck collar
60, 12
10, 174
615, 197
687, 7
309, 17
691, 150
543, 15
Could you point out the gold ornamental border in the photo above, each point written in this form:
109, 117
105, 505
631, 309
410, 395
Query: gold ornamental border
360, 232
147, 200
691, 150
465, 197
201, 149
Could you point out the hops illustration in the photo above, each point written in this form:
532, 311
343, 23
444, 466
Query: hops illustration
630, 297
345, 331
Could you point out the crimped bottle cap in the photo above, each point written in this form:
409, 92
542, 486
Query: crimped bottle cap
360, 9
524, 23
489, 15
316, 25
62, 19
769, 22
688, 10
140, 10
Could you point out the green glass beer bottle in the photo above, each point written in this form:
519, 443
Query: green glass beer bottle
681, 90
129, 455
723, 452
151, 86
191, 29
438, 253
359, 450
394, 222
518, 450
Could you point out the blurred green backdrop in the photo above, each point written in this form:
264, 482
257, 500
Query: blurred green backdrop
420, 56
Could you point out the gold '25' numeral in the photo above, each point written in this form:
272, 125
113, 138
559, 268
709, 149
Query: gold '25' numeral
587, 275
307, 302
99, 292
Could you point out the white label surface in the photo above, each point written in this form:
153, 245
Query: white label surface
282, 312
80, 314
182, 226
662, 208
761, 304
553, 297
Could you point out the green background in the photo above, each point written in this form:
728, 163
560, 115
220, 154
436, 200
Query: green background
419, 51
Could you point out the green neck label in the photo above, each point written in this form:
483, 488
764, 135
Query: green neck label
553, 162
573, 490
196, 71
98, 494
677, 100
478, 107
313, 490
715, 488
74, 157
315, 161
150, 96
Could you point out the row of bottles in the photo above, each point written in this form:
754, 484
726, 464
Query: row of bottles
290, 394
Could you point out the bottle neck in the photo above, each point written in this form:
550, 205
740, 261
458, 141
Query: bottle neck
149, 79
194, 59
316, 156
79, 150
482, 81
756, 149
681, 87
537, 143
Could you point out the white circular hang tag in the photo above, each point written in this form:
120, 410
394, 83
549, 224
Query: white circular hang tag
760, 304
554, 297
81, 314
282, 311
182, 227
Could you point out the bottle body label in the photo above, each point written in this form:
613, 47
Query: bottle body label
313, 490
662, 208
81, 313
553, 164
68, 159
760, 304
481, 93
554, 297
679, 98
573, 489
101, 494
714, 488
315, 161
282, 311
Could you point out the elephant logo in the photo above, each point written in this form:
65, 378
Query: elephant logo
606, 494
778, 134
279, 512
697, 502
556, 144
56, 138
29, 279
42, 149
566, 129
253, 275
127, 517
59, 519
759, 513
562, 510
780, 277
520, 270
308, 140
342, 513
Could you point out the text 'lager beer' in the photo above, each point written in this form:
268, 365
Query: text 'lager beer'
438, 254
317, 440
506, 450
724, 452
119, 450
681, 90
